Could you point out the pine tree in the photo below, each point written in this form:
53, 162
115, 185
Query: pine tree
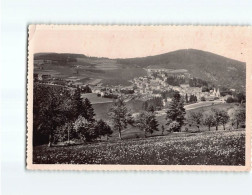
186, 98
89, 111
77, 104
176, 110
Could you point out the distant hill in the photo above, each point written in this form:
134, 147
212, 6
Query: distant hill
204, 65
219, 70
57, 56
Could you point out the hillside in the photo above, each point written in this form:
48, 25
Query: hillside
205, 148
219, 70
204, 65
56, 56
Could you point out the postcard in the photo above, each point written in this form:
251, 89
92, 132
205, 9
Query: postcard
156, 98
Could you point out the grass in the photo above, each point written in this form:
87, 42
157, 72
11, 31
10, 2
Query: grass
101, 110
206, 148
221, 106
130, 132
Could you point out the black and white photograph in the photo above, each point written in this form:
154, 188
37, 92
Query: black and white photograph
137, 96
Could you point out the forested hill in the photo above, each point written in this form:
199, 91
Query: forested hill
204, 65
200, 64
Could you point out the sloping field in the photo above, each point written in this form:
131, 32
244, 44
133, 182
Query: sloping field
102, 109
209, 148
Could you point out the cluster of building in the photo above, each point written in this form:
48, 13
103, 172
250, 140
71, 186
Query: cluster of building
151, 86
197, 91
145, 87
102, 91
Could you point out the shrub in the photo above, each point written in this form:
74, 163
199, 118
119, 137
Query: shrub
203, 99
64, 133
174, 127
230, 100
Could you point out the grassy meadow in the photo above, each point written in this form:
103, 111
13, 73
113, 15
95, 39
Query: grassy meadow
130, 132
205, 148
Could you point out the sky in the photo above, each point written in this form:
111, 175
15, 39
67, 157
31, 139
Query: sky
138, 41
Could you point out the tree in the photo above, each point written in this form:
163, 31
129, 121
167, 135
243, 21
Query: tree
195, 118
237, 115
205, 89
203, 98
162, 129
193, 98
241, 98
118, 114
103, 128
89, 111
151, 109
174, 126
224, 118
145, 105
217, 117
85, 129
208, 119
51, 108
147, 122
176, 111
77, 102
230, 100
64, 133
186, 98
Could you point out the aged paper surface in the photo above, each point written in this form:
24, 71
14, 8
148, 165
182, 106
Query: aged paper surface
139, 98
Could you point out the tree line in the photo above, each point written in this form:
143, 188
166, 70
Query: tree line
61, 115
153, 104
191, 99
217, 117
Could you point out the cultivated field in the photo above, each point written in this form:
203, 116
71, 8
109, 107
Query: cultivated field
206, 148
105, 73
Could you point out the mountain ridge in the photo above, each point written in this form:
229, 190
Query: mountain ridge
220, 70
208, 66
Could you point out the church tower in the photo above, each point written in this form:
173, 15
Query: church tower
214, 92
218, 93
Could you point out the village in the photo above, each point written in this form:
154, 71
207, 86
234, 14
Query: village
156, 82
